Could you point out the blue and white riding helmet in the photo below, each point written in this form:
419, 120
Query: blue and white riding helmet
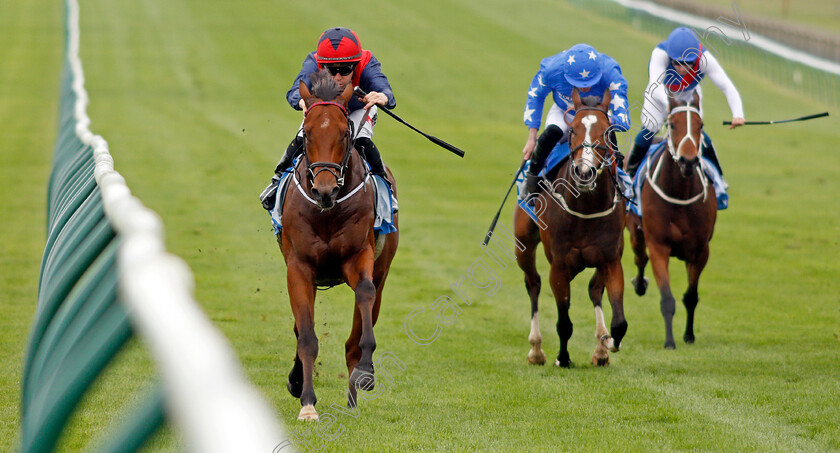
583, 66
682, 45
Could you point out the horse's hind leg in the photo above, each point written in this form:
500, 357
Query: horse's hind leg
302, 296
690, 298
637, 241
527, 233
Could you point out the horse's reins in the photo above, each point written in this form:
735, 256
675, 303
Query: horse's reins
675, 156
337, 170
592, 147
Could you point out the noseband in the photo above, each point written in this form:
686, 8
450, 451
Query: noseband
337, 170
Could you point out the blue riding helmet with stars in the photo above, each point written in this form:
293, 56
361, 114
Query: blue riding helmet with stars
584, 68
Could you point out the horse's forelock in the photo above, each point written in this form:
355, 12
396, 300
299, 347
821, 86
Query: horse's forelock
324, 87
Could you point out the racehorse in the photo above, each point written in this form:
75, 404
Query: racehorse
328, 239
678, 215
581, 223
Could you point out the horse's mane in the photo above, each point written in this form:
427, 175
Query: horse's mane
324, 86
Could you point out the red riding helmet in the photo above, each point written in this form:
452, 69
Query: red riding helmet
338, 45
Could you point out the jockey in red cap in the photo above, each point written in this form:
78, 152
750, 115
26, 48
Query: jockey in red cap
340, 52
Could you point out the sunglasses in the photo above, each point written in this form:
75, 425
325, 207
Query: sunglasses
344, 69
682, 63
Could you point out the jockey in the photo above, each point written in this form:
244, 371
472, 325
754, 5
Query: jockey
340, 52
581, 67
677, 65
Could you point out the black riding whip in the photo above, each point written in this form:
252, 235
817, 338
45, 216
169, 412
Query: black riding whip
803, 118
496, 218
361, 93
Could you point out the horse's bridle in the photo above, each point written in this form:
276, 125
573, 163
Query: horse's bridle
313, 169
674, 149
605, 149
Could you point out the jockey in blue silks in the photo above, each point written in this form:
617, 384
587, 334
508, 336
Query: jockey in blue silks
677, 66
581, 67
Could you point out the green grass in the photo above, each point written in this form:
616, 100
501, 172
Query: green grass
190, 96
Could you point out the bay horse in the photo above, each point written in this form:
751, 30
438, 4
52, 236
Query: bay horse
678, 215
581, 224
328, 239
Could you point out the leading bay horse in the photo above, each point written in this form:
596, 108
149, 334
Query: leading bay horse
581, 223
328, 239
678, 215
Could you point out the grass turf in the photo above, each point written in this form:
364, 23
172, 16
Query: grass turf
190, 96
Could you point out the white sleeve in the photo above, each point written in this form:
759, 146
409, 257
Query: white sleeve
658, 65
718, 76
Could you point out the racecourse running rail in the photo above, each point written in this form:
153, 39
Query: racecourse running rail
106, 274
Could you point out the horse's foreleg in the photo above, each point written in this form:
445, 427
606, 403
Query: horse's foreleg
528, 234
601, 356
615, 291
637, 241
690, 298
659, 255
560, 286
358, 273
302, 297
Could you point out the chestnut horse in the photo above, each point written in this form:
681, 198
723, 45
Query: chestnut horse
678, 215
581, 223
328, 239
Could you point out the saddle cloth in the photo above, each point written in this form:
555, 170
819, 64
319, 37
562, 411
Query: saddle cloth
708, 168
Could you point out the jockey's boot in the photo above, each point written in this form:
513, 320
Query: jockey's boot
269, 194
370, 153
640, 148
709, 152
292, 151
548, 139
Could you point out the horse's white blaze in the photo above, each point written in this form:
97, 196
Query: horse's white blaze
326, 122
688, 136
588, 157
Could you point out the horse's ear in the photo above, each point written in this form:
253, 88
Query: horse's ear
605, 100
695, 100
576, 98
304, 93
346, 95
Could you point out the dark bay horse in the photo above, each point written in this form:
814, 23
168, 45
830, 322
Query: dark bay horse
678, 215
328, 239
581, 222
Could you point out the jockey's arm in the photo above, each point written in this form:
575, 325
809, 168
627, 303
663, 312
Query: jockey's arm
530, 144
718, 76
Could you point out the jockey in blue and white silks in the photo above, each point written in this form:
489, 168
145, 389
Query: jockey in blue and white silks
677, 66
581, 67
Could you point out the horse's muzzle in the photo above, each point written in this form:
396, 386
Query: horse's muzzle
687, 166
325, 197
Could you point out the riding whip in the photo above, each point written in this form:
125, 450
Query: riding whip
496, 218
361, 93
803, 118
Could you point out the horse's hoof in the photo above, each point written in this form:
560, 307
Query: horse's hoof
607, 342
308, 413
535, 358
294, 389
564, 364
362, 379
640, 285
689, 339
670, 345
601, 361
